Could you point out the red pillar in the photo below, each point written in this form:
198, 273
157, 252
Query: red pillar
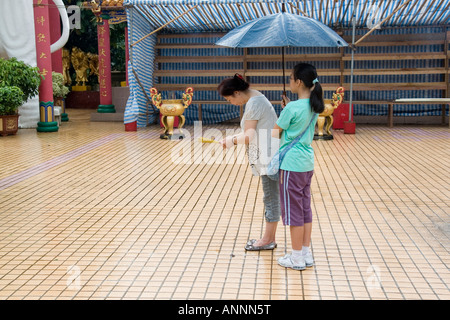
57, 65
55, 34
104, 66
47, 121
127, 54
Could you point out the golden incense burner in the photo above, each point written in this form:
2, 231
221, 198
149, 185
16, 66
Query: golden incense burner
327, 115
170, 109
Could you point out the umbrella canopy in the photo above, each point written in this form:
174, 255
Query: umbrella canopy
282, 30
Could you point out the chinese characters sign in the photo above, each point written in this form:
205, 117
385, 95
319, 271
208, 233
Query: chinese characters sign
43, 57
104, 63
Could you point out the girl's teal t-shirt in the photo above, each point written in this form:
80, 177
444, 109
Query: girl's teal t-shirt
293, 120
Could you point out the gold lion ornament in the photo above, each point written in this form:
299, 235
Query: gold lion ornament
327, 115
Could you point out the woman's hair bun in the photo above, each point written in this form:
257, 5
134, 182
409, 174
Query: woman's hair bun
236, 83
241, 84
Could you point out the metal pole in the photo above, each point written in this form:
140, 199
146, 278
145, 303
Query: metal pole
174, 19
383, 21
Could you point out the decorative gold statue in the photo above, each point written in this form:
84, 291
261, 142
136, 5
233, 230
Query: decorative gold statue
327, 115
81, 64
66, 67
93, 63
170, 109
96, 10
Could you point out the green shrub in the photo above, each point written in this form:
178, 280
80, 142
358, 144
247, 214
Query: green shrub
11, 98
19, 74
59, 89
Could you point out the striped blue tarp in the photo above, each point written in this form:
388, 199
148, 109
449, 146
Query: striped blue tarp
224, 15
144, 16
132, 107
140, 70
403, 109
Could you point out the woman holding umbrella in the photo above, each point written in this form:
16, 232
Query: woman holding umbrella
257, 123
298, 119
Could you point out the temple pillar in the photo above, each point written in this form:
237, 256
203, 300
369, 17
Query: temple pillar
127, 54
47, 121
104, 66
55, 34
57, 64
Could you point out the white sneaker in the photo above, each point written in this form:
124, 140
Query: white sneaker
309, 261
287, 262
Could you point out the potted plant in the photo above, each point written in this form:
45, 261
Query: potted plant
60, 92
16, 74
11, 98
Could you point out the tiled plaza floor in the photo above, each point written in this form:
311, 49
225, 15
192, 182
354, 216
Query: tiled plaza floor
94, 212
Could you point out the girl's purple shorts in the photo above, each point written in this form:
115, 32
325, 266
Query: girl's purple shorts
295, 196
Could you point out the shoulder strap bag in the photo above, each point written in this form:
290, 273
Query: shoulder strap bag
275, 164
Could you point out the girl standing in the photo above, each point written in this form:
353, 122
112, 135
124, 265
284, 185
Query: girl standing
297, 167
257, 123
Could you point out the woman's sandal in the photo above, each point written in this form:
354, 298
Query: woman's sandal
250, 246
